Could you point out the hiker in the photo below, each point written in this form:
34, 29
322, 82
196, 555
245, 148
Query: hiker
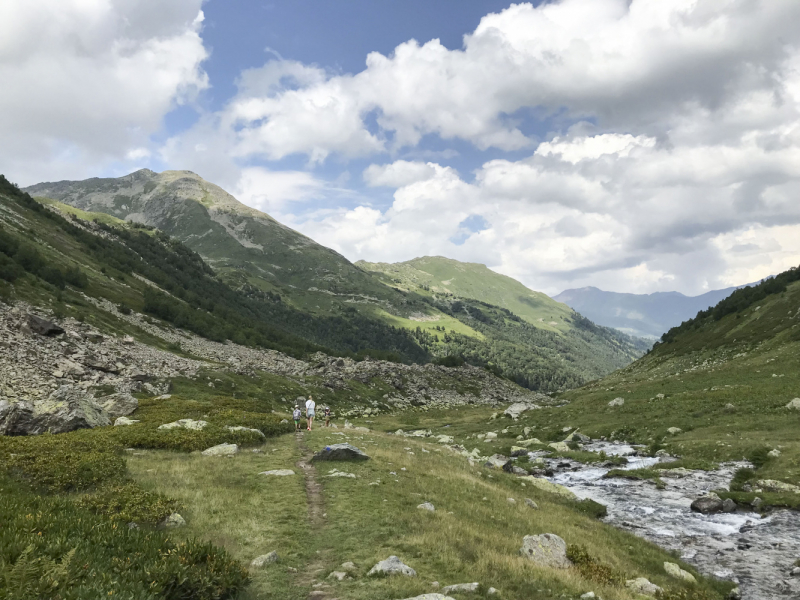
327, 416
296, 416
310, 406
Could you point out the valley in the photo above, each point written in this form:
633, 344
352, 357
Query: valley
151, 359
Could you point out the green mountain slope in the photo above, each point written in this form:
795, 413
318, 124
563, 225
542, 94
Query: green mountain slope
444, 277
724, 379
46, 258
248, 246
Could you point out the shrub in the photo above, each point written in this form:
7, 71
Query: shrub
28, 258
53, 276
740, 477
595, 509
759, 457
124, 309
52, 549
129, 503
9, 270
591, 568
75, 277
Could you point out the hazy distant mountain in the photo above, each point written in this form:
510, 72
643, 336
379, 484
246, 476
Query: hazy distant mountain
642, 315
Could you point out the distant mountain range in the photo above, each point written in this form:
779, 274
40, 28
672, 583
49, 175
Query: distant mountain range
640, 315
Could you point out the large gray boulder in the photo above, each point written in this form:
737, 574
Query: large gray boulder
67, 409
221, 450
392, 566
516, 409
118, 405
340, 452
43, 326
547, 550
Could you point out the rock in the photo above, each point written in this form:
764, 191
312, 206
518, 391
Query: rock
530, 442
774, 453
221, 450
496, 461
553, 488
492, 591
43, 326
118, 405
734, 594
491, 435
174, 520
184, 424
674, 430
579, 437
517, 408
674, 570
617, 402
794, 404
728, 505
772, 485
264, 560
547, 550
707, 505
348, 566
531, 503
756, 503
66, 409
444, 439
462, 587
124, 421
240, 428
337, 575
278, 472
588, 596
337, 473
795, 572
434, 596
559, 446
640, 585
392, 566
427, 506
340, 452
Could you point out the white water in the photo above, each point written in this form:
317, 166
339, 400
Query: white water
756, 553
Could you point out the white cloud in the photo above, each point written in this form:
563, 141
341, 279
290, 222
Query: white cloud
87, 82
271, 191
398, 174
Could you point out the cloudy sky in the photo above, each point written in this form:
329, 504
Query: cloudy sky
633, 145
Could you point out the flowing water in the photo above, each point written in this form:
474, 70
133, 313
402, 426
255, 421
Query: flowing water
757, 553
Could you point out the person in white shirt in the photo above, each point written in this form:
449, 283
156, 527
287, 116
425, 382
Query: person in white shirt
310, 408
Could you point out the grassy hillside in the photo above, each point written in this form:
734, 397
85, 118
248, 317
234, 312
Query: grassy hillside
51, 260
724, 379
439, 276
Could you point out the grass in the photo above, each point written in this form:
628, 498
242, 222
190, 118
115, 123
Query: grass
640, 474
474, 535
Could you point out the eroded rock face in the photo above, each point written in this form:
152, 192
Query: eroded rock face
118, 405
66, 409
340, 452
547, 550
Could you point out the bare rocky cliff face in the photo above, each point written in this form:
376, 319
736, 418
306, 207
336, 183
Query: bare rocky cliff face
60, 375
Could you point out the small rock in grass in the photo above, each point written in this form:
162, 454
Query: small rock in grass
775, 453
641, 585
673, 570
617, 402
392, 566
427, 506
531, 503
462, 587
588, 596
794, 404
547, 550
337, 575
511, 500
340, 452
278, 472
337, 473
249, 429
431, 597
184, 424
264, 559
674, 430
124, 421
221, 450
492, 591
348, 566
174, 520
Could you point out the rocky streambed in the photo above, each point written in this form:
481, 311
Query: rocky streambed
757, 553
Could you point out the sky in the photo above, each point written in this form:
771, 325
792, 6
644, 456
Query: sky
632, 145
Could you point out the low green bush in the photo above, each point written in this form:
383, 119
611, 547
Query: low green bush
595, 509
591, 568
128, 503
741, 477
759, 456
51, 549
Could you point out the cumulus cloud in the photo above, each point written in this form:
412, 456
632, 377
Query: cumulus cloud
398, 174
87, 82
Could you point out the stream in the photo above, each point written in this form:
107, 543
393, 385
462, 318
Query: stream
757, 553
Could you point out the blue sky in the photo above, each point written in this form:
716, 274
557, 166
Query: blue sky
633, 145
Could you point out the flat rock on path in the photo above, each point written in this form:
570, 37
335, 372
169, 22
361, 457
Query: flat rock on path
340, 452
392, 566
547, 550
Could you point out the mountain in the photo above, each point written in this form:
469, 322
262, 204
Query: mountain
442, 310
641, 315
446, 277
526, 335
241, 243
